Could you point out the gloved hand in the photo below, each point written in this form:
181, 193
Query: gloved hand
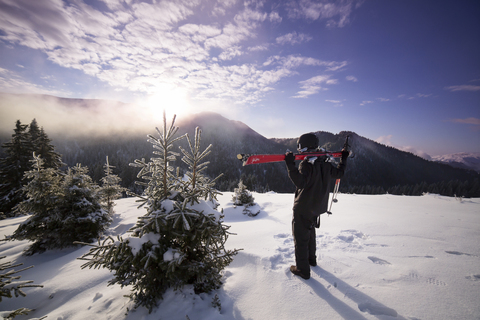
345, 155
289, 158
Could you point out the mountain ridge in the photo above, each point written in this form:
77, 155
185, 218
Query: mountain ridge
375, 167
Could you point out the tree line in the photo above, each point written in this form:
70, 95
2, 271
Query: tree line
32, 181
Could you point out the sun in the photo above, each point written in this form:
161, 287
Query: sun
172, 100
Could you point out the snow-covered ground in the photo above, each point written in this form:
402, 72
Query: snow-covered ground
379, 257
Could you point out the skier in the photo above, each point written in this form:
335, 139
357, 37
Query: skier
312, 181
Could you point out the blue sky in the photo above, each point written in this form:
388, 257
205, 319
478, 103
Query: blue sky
404, 73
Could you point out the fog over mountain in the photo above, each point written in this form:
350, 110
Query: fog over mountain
90, 130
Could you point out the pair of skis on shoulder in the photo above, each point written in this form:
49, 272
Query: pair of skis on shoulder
248, 159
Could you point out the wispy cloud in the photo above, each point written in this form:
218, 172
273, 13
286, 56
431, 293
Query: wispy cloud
337, 103
365, 102
463, 88
141, 46
351, 78
416, 96
386, 140
293, 38
336, 13
473, 121
12, 82
314, 85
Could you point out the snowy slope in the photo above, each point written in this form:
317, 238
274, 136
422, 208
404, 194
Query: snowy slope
380, 257
461, 160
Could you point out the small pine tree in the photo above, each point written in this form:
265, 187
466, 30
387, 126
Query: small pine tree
243, 197
80, 212
10, 286
110, 189
63, 209
196, 180
43, 195
179, 241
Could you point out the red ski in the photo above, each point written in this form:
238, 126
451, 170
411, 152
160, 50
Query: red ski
248, 159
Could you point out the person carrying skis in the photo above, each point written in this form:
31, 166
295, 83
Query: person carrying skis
312, 181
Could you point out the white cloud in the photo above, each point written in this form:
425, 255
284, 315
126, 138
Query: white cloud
463, 88
386, 140
274, 17
138, 46
337, 13
365, 102
293, 38
313, 85
351, 78
230, 53
14, 83
337, 103
415, 151
262, 47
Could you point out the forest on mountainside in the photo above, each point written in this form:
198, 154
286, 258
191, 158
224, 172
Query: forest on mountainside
375, 169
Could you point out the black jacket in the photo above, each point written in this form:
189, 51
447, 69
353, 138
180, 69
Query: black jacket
312, 182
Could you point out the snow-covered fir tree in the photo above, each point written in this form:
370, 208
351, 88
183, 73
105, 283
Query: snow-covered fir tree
81, 214
17, 161
179, 241
110, 189
243, 197
11, 286
43, 195
64, 209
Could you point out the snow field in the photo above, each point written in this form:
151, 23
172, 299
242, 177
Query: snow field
379, 257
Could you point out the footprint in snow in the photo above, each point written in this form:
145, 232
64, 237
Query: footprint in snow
457, 253
284, 253
473, 277
377, 310
378, 260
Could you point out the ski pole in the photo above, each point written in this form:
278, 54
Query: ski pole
334, 196
346, 146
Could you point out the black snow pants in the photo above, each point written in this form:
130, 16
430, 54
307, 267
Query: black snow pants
304, 237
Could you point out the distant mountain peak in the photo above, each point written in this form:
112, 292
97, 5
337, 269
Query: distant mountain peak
464, 160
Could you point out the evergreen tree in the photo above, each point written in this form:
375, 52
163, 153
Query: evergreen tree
111, 188
12, 168
64, 209
81, 215
34, 131
242, 197
43, 147
196, 181
43, 195
10, 286
179, 241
